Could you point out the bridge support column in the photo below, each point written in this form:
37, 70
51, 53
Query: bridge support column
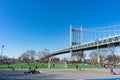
49, 63
82, 56
78, 56
71, 55
98, 59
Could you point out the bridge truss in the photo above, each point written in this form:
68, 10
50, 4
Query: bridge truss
90, 38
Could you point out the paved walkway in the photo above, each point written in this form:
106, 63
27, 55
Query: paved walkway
64, 74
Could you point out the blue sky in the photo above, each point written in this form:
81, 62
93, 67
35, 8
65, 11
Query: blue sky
40, 24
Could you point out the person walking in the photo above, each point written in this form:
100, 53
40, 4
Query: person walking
111, 70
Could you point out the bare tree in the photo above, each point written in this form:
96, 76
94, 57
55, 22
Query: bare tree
110, 57
55, 59
31, 54
103, 52
24, 57
4, 57
64, 59
28, 56
42, 54
39, 55
93, 55
111, 49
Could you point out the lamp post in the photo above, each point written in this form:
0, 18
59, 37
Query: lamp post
2, 50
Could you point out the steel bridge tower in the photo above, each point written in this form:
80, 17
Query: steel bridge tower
76, 39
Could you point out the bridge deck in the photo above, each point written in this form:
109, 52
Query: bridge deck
101, 43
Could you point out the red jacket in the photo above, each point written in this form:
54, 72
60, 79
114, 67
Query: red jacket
111, 69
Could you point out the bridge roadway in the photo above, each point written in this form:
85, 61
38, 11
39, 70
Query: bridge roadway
100, 43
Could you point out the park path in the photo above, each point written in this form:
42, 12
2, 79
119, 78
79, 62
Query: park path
69, 74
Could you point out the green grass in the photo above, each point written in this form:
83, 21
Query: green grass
58, 66
24, 65
43, 65
2, 66
83, 66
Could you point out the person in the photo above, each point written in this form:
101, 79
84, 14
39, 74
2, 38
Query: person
104, 66
36, 67
111, 70
33, 71
53, 65
77, 67
29, 71
13, 69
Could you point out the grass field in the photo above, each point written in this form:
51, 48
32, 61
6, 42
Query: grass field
42, 65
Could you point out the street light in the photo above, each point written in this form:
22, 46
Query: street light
2, 50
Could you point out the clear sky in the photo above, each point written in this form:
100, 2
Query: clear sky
40, 24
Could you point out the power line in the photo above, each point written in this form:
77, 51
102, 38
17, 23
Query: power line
118, 25
101, 31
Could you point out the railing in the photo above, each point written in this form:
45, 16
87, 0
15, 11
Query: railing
100, 42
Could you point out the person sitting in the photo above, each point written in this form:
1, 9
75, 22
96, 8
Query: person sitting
33, 71
29, 71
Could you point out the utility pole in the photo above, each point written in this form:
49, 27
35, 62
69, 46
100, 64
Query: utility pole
2, 50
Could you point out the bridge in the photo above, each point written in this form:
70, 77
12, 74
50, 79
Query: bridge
77, 44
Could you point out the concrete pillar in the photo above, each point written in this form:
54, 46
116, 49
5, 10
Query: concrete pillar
98, 59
